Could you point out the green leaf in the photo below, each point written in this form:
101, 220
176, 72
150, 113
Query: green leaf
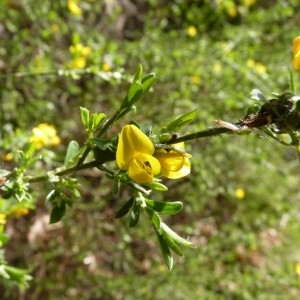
157, 186
167, 208
178, 239
19, 276
3, 239
171, 243
57, 213
297, 106
138, 73
98, 118
154, 218
72, 152
135, 92
135, 214
125, 208
85, 117
147, 81
180, 122
52, 196
104, 150
253, 109
165, 251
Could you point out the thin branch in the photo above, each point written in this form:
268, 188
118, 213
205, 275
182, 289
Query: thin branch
199, 134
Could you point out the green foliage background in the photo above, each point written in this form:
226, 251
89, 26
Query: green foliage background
246, 249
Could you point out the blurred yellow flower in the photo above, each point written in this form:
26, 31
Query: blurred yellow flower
79, 54
80, 50
196, 79
217, 68
257, 66
296, 53
248, 3
78, 62
44, 135
174, 164
239, 193
2, 219
21, 211
8, 156
106, 67
297, 268
54, 27
134, 153
232, 10
74, 8
192, 31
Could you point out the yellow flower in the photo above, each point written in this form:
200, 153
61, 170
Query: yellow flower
174, 164
106, 67
8, 156
134, 153
44, 135
74, 7
217, 68
257, 66
21, 211
192, 31
297, 268
196, 79
239, 193
296, 53
78, 62
54, 27
79, 54
232, 11
2, 219
80, 50
248, 3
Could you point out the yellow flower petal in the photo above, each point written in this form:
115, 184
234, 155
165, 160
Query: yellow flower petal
174, 164
143, 167
239, 193
297, 268
296, 53
296, 45
132, 142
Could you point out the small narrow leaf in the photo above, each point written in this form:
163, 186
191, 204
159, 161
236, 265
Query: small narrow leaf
98, 119
171, 243
135, 93
180, 122
52, 196
168, 208
138, 73
135, 214
85, 117
158, 186
165, 251
154, 218
147, 81
72, 152
57, 213
253, 109
178, 239
125, 208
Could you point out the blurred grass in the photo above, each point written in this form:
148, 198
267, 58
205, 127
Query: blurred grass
246, 249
